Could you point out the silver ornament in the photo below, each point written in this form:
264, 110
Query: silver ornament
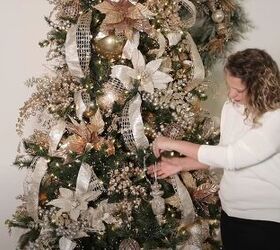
157, 203
218, 16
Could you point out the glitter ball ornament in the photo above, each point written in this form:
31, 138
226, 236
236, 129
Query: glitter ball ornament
174, 131
110, 46
113, 91
129, 244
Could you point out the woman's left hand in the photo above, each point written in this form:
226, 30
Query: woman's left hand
166, 167
162, 143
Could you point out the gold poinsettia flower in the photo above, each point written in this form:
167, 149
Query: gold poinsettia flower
123, 16
86, 136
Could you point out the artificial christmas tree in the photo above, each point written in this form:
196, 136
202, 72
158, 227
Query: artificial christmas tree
126, 71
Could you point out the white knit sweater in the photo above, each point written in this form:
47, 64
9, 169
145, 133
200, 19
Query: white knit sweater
250, 157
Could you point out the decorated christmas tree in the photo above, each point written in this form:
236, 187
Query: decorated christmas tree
125, 72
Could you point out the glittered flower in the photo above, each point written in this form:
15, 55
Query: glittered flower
124, 16
148, 74
103, 213
87, 136
72, 203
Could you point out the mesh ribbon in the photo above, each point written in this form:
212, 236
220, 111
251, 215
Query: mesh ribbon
132, 127
78, 46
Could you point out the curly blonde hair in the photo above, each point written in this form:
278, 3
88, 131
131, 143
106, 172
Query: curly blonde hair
260, 74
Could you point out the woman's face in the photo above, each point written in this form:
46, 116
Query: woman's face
237, 91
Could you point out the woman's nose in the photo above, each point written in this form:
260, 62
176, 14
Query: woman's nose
232, 93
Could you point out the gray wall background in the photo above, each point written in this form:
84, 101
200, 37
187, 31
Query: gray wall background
23, 26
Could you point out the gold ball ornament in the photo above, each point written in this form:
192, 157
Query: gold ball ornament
43, 197
90, 111
110, 47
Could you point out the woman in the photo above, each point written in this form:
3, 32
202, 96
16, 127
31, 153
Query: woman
249, 153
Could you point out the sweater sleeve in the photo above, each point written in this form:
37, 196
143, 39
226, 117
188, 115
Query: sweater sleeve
257, 145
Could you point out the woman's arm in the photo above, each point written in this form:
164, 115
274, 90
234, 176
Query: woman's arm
162, 143
257, 145
170, 166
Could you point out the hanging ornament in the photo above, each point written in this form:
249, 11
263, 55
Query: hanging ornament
110, 46
157, 203
129, 244
113, 91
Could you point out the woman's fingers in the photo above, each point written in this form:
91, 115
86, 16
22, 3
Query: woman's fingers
158, 145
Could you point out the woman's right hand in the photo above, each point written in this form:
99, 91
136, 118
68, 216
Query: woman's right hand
166, 167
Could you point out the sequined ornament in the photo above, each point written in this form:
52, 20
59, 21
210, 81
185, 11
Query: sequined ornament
110, 46
129, 244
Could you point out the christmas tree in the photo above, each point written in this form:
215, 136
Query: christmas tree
125, 72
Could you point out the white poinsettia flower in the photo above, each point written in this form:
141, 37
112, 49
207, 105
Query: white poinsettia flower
103, 213
72, 203
148, 74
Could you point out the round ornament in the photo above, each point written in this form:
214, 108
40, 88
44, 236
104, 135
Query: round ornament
174, 131
43, 197
129, 244
113, 91
90, 110
218, 16
110, 47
